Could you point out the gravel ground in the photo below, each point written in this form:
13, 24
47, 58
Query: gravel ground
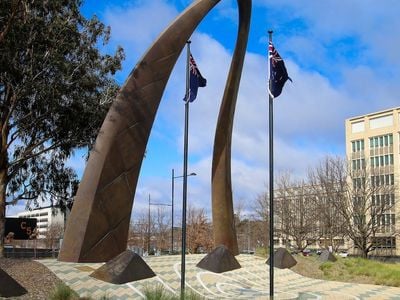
33, 276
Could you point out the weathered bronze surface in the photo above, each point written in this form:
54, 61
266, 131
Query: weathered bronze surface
220, 260
222, 205
9, 287
98, 226
282, 259
125, 267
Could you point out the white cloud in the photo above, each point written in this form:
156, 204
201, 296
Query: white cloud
342, 57
135, 26
138, 25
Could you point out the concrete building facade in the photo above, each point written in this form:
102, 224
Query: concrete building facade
373, 143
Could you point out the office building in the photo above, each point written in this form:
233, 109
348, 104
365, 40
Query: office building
373, 145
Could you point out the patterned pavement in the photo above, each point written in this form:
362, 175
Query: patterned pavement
249, 282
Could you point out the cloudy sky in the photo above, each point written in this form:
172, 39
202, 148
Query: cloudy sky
343, 58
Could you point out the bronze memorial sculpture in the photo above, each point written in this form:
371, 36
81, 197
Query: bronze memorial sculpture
97, 228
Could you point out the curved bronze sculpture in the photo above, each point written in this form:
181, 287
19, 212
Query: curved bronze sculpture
222, 204
98, 226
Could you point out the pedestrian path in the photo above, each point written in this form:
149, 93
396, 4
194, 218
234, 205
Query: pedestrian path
249, 282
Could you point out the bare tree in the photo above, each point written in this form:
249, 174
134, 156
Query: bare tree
368, 208
53, 234
261, 209
297, 207
163, 229
142, 231
328, 183
199, 232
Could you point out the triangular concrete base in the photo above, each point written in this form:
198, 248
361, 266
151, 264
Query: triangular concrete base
283, 259
219, 260
327, 256
9, 287
123, 268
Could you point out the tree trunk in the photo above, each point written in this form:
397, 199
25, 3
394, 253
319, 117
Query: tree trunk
3, 185
365, 253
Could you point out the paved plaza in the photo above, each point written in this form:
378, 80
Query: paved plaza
249, 282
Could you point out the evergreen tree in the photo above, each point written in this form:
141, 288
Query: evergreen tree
55, 89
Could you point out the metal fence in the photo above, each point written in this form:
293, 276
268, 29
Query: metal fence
39, 248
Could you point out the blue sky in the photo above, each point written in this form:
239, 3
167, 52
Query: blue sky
342, 56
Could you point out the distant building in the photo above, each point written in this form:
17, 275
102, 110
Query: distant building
373, 140
46, 217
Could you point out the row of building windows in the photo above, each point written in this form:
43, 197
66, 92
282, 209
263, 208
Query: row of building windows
380, 220
384, 219
384, 242
381, 141
379, 180
382, 160
376, 161
376, 180
358, 200
36, 215
386, 199
374, 142
358, 183
358, 164
357, 145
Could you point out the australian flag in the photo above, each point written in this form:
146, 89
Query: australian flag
196, 80
277, 72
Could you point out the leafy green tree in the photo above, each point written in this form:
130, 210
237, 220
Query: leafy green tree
55, 88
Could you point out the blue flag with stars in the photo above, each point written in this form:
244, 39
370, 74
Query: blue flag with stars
277, 72
195, 80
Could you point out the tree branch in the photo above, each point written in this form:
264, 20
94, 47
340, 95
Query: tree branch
7, 27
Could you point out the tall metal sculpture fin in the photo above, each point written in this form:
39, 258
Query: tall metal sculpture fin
98, 226
222, 203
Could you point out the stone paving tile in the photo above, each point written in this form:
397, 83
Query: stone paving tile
249, 282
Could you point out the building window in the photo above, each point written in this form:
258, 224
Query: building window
381, 141
359, 219
386, 219
382, 160
379, 180
359, 183
358, 164
357, 146
384, 242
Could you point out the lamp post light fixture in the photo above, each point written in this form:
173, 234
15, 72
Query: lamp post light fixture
173, 177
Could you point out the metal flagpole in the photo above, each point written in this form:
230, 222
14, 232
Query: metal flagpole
185, 162
271, 180
172, 212
148, 231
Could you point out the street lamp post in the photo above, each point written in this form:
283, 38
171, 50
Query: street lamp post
172, 205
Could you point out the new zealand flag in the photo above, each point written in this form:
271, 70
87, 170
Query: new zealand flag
277, 72
196, 80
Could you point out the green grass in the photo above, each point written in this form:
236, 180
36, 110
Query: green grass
382, 273
262, 251
350, 269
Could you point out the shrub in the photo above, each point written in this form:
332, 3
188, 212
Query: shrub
63, 292
159, 293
